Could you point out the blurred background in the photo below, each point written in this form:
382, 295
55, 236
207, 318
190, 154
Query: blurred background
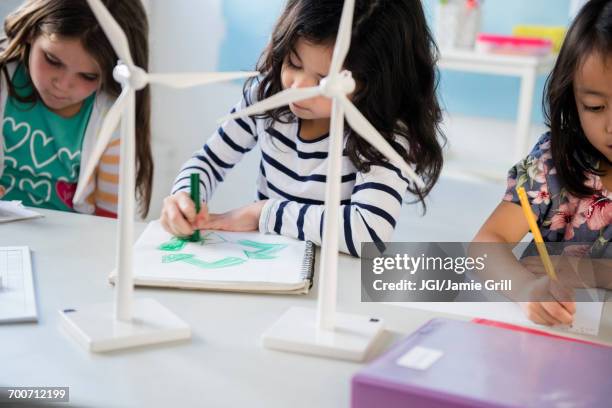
481, 107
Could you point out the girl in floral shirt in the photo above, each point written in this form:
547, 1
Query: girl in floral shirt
568, 174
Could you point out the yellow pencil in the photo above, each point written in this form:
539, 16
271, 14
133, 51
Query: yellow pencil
537, 236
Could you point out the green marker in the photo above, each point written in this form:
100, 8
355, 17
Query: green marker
195, 196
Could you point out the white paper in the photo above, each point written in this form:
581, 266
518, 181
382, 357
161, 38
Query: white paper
283, 269
15, 211
586, 320
588, 314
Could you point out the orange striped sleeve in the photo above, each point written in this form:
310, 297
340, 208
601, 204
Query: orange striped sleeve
108, 177
108, 159
107, 185
109, 198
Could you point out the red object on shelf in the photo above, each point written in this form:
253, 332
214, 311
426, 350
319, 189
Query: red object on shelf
513, 40
510, 44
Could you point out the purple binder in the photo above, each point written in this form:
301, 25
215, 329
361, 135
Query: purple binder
462, 364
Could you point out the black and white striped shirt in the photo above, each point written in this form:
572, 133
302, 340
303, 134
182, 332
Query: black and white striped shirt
292, 175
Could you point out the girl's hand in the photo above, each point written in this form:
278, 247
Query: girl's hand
549, 313
551, 305
179, 217
239, 220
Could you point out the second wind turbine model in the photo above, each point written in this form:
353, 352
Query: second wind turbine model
131, 322
329, 333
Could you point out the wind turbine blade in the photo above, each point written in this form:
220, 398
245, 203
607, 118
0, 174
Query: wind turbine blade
188, 80
343, 39
280, 99
109, 125
113, 31
364, 128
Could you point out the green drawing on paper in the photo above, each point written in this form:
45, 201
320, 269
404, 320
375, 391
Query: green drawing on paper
222, 263
211, 238
261, 245
192, 260
175, 244
264, 251
176, 258
256, 255
257, 251
178, 244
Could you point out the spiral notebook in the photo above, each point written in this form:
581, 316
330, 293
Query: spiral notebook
225, 261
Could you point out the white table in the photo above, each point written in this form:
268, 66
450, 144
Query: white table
222, 366
527, 68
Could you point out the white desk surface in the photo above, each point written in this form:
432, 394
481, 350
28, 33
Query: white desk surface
222, 366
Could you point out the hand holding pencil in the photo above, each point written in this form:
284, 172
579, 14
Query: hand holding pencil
545, 312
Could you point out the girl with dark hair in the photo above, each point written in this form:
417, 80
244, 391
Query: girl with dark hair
56, 85
392, 58
568, 175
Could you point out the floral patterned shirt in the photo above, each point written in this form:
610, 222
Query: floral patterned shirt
561, 216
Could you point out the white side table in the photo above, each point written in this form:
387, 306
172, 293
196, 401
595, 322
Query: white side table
525, 67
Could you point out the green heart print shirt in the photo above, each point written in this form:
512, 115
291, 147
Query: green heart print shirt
42, 150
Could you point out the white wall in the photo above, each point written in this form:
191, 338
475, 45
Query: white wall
6, 6
185, 36
575, 6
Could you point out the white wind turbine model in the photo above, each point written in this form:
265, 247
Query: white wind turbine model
140, 321
329, 333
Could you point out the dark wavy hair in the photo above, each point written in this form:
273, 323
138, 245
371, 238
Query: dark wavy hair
74, 19
392, 58
573, 155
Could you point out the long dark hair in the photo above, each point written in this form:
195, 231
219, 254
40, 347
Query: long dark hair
573, 155
74, 19
392, 58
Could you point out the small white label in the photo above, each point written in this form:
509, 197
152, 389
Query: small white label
419, 358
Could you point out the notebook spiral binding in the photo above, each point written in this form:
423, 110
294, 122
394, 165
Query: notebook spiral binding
309, 263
